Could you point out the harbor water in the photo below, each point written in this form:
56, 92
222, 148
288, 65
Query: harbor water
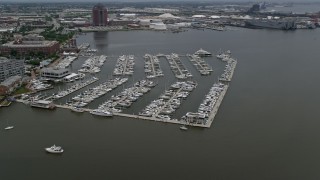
266, 128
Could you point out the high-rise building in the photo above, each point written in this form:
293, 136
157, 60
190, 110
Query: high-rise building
99, 15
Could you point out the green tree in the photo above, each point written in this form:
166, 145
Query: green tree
13, 53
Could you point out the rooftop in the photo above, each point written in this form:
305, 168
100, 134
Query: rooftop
10, 80
30, 44
4, 60
53, 70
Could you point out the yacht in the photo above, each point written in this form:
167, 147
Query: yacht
101, 113
54, 149
202, 53
77, 109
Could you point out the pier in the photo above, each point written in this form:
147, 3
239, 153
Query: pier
127, 96
229, 70
72, 89
177, 67
216, 107
200, 64
133, 116
124, 66
152, 66
85, 98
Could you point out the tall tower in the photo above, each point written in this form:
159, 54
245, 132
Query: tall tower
99, 15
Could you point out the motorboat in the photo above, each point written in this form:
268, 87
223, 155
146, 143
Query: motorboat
101, 113
9, 127
54, 149
77, 109
183, 128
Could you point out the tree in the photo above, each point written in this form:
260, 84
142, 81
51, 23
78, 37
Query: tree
14, 53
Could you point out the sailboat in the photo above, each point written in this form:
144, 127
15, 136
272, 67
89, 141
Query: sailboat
8, 127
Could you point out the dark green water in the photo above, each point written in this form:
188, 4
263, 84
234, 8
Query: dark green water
267, 126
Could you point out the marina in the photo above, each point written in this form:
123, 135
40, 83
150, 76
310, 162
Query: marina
229, 70
126, 97
93, 64
38, 85
159, 110
208, 108
152, 66
124, 66
91, 94
73, 88
200, 64
66, 62
169, 101
177, 67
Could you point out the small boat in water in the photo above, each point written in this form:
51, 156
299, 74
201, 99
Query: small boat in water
77, 109
183, 128
54, 149
8, 127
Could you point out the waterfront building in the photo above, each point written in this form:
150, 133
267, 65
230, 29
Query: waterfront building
10, 67
54, 73
10, 84
99, 15
27, 44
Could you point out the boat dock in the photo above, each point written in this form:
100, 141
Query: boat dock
72, 89
124, 66
169, 101
216, 106
152, 66
126, 97
88, 96
229, 70
200, 64
177, 67
133, 116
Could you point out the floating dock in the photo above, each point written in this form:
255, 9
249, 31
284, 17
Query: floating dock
177, 67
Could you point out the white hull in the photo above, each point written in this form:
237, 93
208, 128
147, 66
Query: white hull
77, 110
49, 150
106, 114
183, 128
8, 128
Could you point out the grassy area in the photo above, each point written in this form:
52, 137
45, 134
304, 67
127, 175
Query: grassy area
21, 90
5, 103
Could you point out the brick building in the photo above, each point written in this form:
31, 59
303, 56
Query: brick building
25, 47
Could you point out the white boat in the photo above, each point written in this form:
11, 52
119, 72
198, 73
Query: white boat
9, 127
54, 149
101, 113
77, 109
202, 53
183, 128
